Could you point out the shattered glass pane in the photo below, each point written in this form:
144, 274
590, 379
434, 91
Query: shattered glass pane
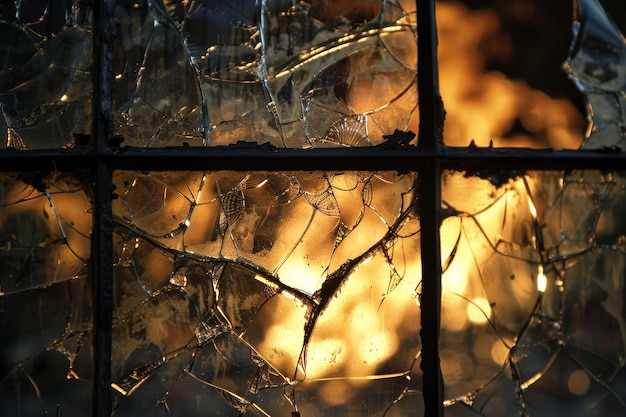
266, 293
294, 74
533, 306
500, 74
597, 65
45, 74
46, 365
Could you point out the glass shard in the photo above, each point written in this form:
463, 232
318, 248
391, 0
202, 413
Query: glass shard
266, 293
597, 65
46, 364
533, 294
294, 74
45, 74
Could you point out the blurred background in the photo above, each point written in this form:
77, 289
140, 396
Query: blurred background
500, 72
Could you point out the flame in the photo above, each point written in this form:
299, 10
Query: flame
483, 105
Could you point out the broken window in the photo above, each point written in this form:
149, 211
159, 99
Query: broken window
229, 293
178, 239
45, 294
297, 74
536, 266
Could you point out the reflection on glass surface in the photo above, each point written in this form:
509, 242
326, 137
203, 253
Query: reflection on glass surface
597, 65
533, 318
45, 74
45, 295
266, 293
294, 74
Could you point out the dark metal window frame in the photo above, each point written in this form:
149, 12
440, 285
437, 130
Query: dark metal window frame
429, 160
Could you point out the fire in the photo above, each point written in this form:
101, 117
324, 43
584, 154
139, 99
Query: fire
485, 106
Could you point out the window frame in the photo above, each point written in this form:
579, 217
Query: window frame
429, 160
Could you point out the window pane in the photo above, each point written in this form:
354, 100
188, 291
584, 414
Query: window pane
533, 314
267, 292
46, 364
510, 71
45, 74
293, 74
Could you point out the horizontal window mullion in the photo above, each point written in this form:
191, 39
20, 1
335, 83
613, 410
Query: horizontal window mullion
527, 159
324, 159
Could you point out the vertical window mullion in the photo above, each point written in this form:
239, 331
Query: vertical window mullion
430, 300
103, 274
429, 141
102, 244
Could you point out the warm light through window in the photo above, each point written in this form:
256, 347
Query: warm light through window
299, 290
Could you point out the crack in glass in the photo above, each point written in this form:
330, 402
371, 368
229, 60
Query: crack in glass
533, 304
253, 291
537, 267
208, 73
278, 293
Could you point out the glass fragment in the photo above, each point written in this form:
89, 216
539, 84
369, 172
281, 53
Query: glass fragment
46, 363
533, 318
294, 74
45, 74
266, 293
597, 66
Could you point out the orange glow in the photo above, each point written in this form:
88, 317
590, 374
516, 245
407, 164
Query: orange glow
483, 106
335, 392
479, 311
456, 278
378, 344
531, 207
499, 352
326, 354
295, 273
578, 383
542, 281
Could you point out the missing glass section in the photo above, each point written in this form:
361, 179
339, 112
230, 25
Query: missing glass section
500, 75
